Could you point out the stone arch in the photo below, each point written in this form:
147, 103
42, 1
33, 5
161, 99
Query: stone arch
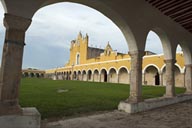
151, 75
32, 74
157, 45
121, 68
126, 29
96, 76
168, 48
103, 68
37, 75
26, 74
112, 75
103, 75
186, 52
123, 73
59, 75
100, 6
144, 69
179, 67
112, 68
42, 75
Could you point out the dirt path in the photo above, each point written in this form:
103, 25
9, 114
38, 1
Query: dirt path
174, 116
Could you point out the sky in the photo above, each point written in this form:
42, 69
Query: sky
48, 37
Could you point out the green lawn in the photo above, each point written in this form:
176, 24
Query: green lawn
81, 97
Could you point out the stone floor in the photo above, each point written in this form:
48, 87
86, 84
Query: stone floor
174, 116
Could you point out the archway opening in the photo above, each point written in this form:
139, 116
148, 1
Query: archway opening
37, 75
89, 75
113, 78
152, 76
70, 73
123, 76
103, 75
96, 76
153, 44
79, 75
84, 76
69, 24
32, 75
26, 74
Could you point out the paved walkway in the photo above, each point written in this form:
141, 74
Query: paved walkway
174, 116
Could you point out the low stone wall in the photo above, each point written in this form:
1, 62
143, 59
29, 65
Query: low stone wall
29, 119
152, 103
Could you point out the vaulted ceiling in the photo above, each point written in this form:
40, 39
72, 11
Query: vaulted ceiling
178, 10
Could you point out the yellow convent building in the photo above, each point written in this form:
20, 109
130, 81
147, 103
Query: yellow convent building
106, 65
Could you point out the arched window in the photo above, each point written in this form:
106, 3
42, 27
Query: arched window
78, 59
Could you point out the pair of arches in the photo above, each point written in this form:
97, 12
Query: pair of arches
31, 74
156, 76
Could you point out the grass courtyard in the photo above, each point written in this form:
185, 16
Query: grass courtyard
69, 98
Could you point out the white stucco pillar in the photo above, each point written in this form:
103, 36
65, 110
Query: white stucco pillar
108, 78
188, 78
87, 77
82, 75
72, 76
11, 66
136, 77
93, 77
100, 77
170, 78
118, 78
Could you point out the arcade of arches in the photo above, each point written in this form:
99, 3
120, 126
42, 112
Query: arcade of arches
170, 19
33, 73
110, 66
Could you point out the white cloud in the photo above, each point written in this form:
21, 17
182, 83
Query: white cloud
53, 27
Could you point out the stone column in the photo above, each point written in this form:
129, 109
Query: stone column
82, 76
136, 77
118, 78
188, 78
72, 75
93, 77
170, 82
11, 66
87, 77
108, 78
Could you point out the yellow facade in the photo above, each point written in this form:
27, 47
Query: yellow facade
84, 59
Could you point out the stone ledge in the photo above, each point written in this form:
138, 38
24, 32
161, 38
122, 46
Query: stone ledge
30, 118
152, 103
